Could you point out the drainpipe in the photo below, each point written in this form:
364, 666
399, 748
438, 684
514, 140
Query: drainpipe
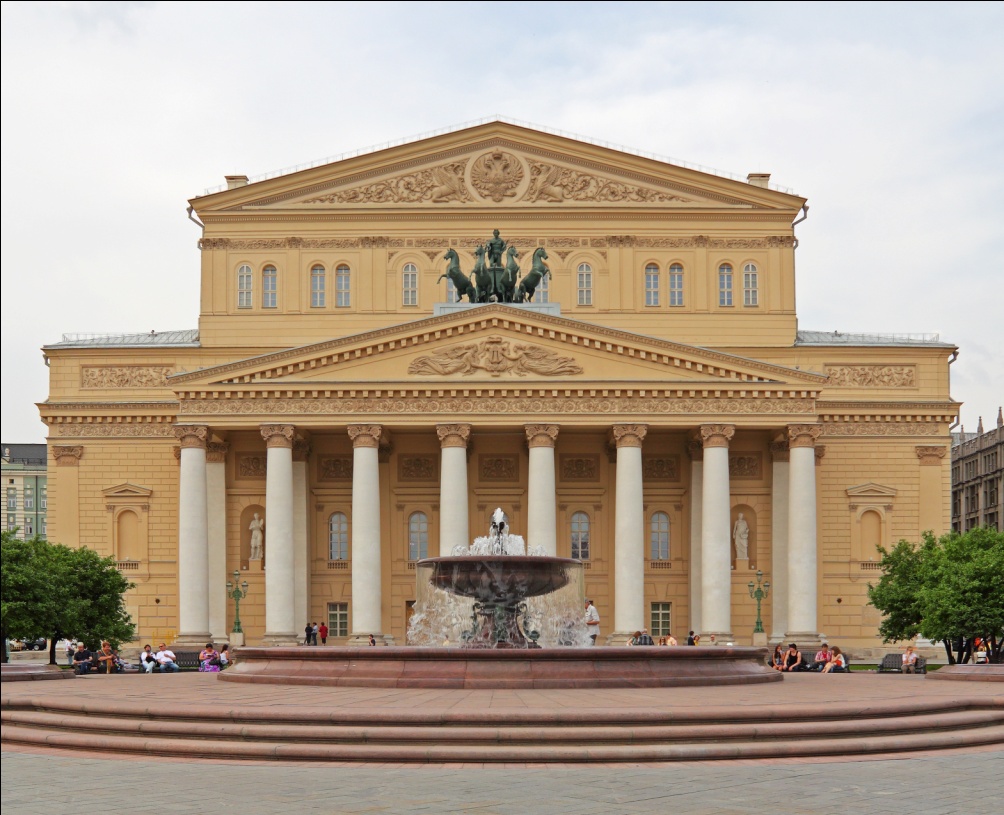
805, 214
958, 419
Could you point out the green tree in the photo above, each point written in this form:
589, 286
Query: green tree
50, 590
946, 589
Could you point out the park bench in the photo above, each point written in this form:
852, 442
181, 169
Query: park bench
893, 664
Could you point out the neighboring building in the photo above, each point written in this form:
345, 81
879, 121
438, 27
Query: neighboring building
25, 489
978, 478
334, 391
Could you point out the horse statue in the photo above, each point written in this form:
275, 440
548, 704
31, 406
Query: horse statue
510, 276
460, 281
538, 271
481, 276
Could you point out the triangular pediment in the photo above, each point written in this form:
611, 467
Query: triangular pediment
498, 344
871, 490
494, 164
126, 491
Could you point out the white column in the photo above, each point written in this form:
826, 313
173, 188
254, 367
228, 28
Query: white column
696, 450
367, 610
216, 501
629, 533
193, 537
454, 523
542, 517
802, 623
716, 554
281, 626
779, 540
301, 546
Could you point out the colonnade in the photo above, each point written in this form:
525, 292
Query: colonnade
201, 614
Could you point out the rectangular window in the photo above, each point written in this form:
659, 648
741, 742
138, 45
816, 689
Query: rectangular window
29, 527
244, 290
11, 523
543, 292
317, 287
750, 288
45, 526
676, 285
585, 288
662, 620
338, 619
724, 287
269, 287
652, 288
11, 498
43, 501
343, 292
29, 498
409, 286
451, 292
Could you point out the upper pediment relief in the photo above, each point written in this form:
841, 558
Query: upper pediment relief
505, 344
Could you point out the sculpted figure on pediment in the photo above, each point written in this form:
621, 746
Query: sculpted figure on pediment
495, 356
440, 184
554, 183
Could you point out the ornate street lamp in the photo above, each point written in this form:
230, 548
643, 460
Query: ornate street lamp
238, 593
759, 593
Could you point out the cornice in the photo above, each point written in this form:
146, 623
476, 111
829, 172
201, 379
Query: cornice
516, 213
856, 406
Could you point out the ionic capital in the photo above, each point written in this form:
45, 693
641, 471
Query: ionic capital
628, 435
365, 435
216, 452
67, 456
453, 435
717, 435
278, 435
779, 450
803, 435
541, 435
930, 456
192, 435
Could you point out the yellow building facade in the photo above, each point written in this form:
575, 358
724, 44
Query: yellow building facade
654, 409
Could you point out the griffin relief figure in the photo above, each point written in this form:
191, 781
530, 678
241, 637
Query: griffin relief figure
495, 356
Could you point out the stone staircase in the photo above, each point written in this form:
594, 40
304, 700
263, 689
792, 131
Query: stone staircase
490, 736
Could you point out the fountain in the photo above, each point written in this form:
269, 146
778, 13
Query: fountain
493, 615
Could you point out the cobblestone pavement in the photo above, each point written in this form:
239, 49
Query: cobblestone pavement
937, 784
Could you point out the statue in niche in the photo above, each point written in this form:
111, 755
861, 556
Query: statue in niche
257, 528
741, 536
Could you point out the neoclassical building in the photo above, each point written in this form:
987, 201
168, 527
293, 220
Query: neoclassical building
654, 409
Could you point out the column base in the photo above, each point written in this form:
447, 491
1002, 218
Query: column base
280, 640
363, 640
192, 640
717, 638
759, 639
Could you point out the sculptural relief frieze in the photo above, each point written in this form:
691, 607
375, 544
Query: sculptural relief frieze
553, 183
495, 356
881, 429
251, 465
871, 376
335, 468
497, 175
125, 376
440, 184
661, 468
417, 468
112, 430
745, 465
580, 468
498, 468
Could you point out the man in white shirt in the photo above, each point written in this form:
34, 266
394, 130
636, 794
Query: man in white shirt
166, 659
147, 660
592, 622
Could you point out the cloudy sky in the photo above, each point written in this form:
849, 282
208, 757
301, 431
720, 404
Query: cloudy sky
888, 117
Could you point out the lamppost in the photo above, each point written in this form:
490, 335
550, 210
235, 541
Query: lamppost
237, 593
758, 593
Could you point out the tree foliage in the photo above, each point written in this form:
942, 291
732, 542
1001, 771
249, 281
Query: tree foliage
947, 589
53, 591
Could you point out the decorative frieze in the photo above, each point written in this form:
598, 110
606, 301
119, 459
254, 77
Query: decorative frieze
278, 435
871, 376
745, 465
191, 435
86, 429
495, 356
553, 183
881, 429
443, 183
67, 455
125, 376
251, 465
334, 468
580, 468
417, 468
717, 435
661, 468
498, 468
931, 456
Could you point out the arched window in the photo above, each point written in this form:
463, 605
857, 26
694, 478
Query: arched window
543, 291
580, 536
659, 536
269, 287
725, 285
418, 536
409, 285
343, 287
750, 297
338, 536
651, 285
318, 291
585, 284
245, 284
676, 285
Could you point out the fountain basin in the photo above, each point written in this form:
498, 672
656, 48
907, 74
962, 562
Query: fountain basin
501, 578
463, 668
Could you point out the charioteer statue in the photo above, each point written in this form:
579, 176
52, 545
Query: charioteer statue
491, 281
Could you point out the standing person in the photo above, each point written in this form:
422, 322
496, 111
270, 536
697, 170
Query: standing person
592, 621
323, 632
909, 660
671, 640
146, 659
166, 659
308, 632
693, 639
314, 630
70, 650
645, 638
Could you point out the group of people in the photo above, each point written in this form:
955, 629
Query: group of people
105, 660
827, 660
312, 632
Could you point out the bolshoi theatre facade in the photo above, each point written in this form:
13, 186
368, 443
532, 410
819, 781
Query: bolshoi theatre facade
652, 409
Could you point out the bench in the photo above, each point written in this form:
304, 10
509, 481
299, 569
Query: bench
893, 664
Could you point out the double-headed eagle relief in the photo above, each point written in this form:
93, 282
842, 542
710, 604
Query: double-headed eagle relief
491, 281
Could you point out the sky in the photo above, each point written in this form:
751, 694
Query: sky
887, 117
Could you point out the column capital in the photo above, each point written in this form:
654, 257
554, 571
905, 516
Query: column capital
803, 435
779, 450
930, 456
695, 448
628, 435
453, 435
192, 435
820, 451
301, 449
67, 456
717, 435
365, 435
541, 435
216, 452
278, 435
